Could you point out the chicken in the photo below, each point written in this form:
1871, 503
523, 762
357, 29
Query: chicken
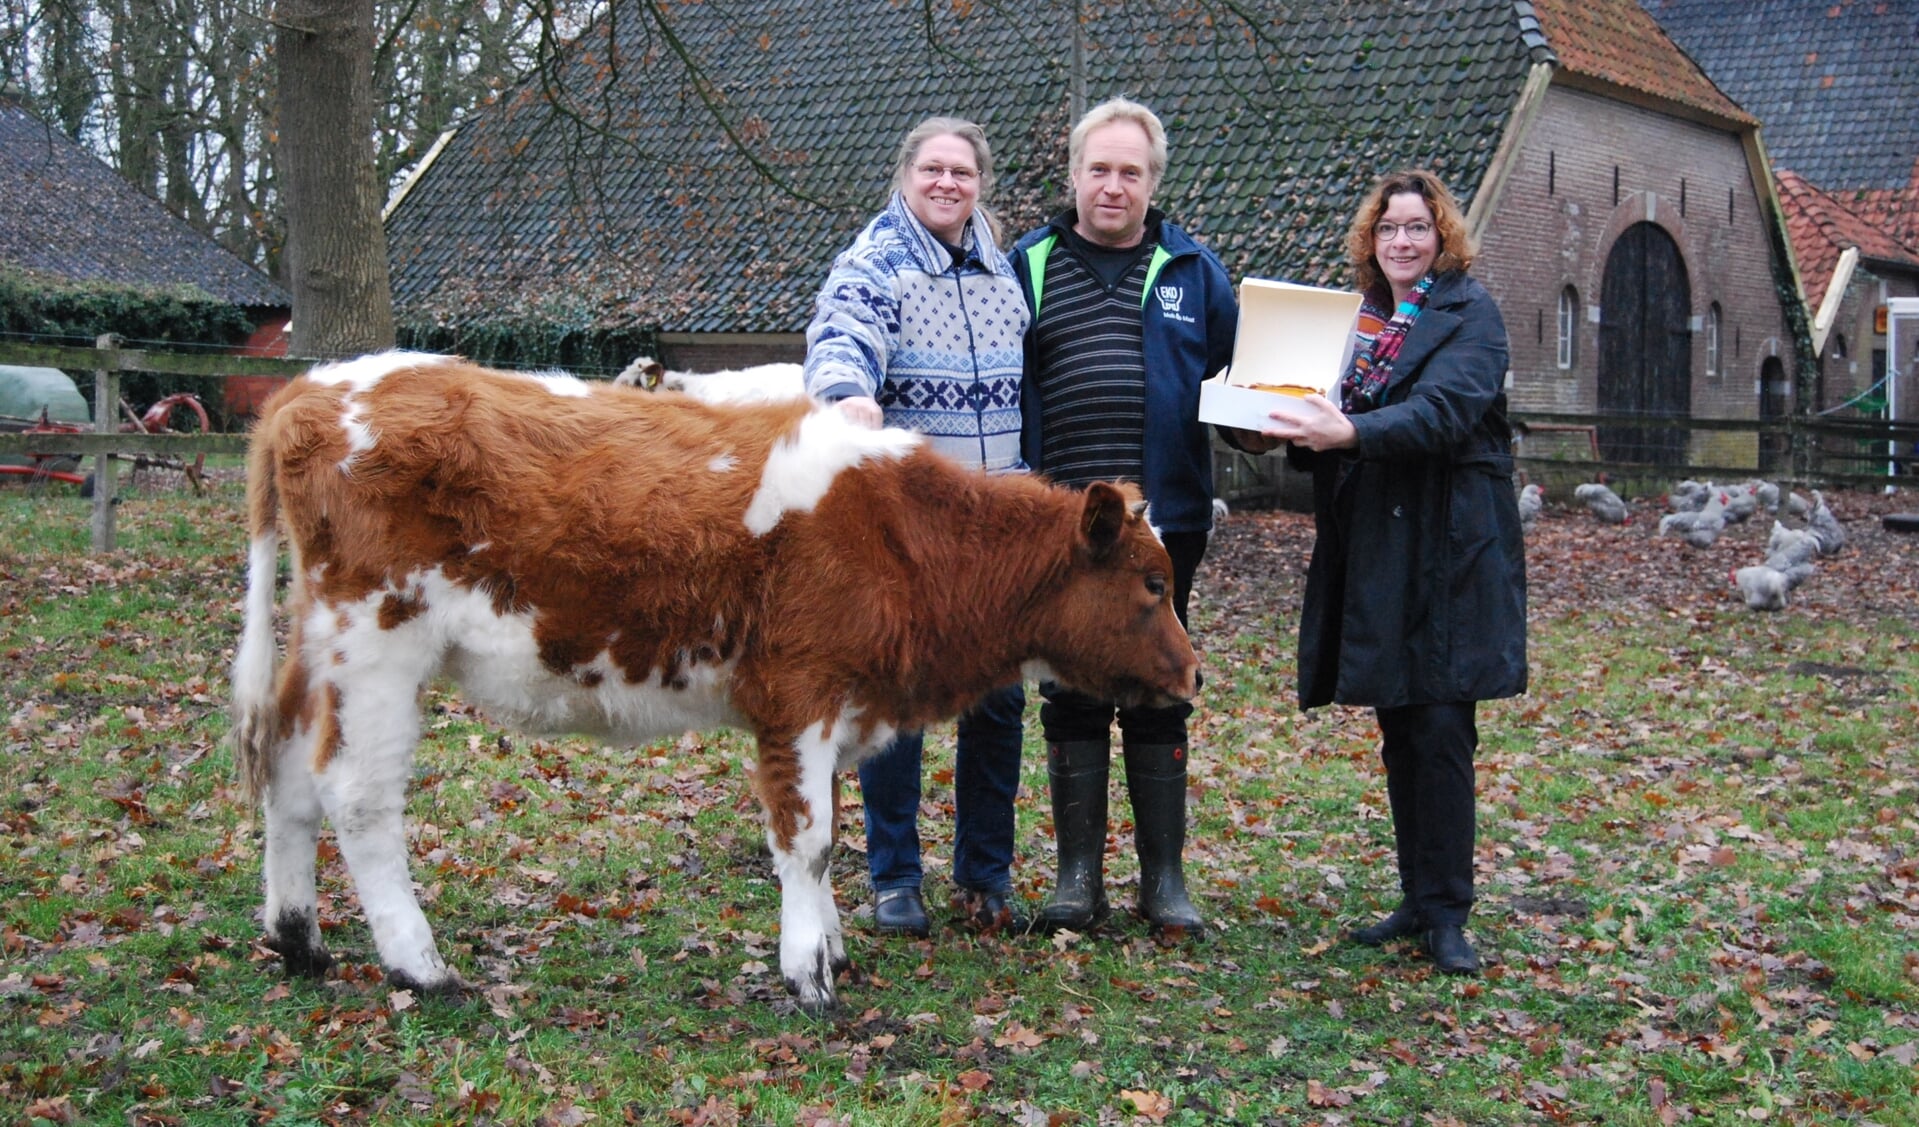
1791, 545
1220, 509
1605, 505
1763, 588
1742, 501
1768, 495
1698, 529
1531, 500
1688, 496
1797, 505
1825, 526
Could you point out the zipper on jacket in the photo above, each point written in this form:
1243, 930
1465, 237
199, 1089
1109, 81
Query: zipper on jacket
972, 351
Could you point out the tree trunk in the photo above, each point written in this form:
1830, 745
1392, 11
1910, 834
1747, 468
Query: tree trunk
336, 247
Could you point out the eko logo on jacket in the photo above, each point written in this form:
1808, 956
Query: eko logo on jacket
1170, 298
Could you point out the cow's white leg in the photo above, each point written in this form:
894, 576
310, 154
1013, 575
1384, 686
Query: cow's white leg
812, 950
292, 840
364, 792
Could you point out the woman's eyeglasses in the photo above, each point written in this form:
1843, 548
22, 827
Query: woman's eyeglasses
1418, 232
938, 172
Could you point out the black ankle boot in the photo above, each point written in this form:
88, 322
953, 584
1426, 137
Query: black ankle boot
1450, 950
1403, 921
1156, 783
1076, 772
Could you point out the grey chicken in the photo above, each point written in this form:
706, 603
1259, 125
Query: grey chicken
1762, 587
1698, 529
1531, 500
1688, 496
1825, 526
1603, 503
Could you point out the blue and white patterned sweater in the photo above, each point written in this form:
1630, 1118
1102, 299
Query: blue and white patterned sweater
939, 346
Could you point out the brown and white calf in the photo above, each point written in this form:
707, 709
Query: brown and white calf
581, 559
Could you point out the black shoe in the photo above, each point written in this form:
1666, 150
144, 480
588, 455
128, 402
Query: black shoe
993, 910
1402, 923
1450, 952
900, 911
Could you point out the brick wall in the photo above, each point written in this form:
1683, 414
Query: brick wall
1557, 219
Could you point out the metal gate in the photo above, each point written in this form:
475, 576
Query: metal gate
1645, 346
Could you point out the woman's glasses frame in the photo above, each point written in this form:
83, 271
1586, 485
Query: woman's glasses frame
1418, 231
938, 172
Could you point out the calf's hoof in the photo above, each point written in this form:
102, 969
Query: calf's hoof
451, 987
812, 986
301, 958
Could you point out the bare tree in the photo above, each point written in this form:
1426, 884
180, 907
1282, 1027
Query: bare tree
336, 248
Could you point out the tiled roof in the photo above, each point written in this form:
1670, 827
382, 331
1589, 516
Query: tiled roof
636, 210
1622, 45
1834, 83
1822, 227
1277, 125
68, 216
1896, 209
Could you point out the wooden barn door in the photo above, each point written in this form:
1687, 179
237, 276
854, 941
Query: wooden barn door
1775, 402
1645, 346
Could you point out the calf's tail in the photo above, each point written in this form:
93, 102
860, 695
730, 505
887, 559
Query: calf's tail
255, 712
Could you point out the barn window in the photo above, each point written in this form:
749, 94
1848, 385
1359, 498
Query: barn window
1839, 346
1568, 325
1712, 340
1552, 171
1682, 195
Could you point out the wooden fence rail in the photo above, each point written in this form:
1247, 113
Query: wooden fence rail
1854, 452
107, 360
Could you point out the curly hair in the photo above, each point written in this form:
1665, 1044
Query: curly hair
1456, 248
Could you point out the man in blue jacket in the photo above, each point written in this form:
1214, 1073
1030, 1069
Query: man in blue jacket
1129, 315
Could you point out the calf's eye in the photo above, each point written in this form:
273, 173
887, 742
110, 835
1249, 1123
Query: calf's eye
1156, 586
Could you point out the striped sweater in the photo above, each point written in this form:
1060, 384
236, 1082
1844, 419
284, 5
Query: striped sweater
939, 345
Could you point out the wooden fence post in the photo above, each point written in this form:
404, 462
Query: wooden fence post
106, 414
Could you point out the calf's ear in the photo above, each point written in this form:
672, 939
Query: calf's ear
1103, 518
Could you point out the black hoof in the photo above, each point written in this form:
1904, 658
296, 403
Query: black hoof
301, 959
452, 987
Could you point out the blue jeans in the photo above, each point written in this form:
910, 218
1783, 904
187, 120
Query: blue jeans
985, 780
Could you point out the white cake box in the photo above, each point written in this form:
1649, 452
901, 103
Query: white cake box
1292, 340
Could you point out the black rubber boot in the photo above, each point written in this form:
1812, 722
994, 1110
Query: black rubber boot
1156, 782
1076, 772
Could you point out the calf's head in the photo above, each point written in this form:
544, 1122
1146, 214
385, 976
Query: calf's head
1111, 630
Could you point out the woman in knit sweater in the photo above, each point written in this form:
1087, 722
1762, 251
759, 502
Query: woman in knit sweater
921, 325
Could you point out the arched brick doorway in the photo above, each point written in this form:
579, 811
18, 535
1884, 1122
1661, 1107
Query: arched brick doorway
1645, 345
1775, 402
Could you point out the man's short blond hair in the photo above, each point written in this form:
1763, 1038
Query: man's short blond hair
1122, 109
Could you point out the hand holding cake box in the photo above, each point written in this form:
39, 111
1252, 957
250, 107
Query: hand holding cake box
1293, 341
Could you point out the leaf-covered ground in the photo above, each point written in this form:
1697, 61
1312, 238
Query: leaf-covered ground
1698, 863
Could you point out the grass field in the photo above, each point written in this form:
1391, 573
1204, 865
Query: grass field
1698, 867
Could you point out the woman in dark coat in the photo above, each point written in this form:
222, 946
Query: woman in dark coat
1416, 594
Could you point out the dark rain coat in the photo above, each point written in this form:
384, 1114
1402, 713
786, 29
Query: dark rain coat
1416, 593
